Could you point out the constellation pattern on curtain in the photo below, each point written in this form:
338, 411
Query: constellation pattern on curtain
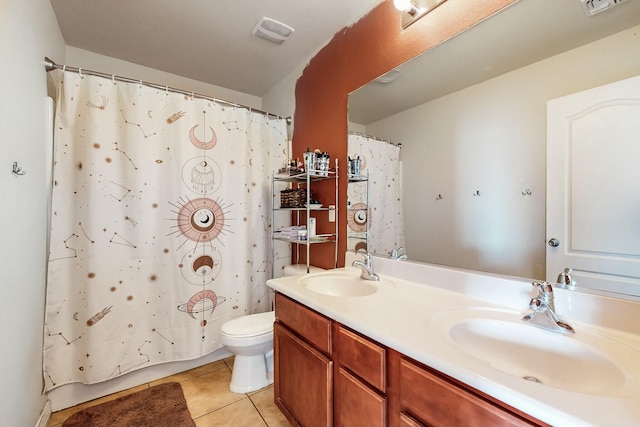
381, 161
160, 226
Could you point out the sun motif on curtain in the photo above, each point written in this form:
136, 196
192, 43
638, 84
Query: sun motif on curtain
200, 221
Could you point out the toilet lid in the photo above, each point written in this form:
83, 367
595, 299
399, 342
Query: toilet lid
251, 325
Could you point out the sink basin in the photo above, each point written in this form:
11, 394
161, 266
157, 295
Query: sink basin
345, 283
585, 362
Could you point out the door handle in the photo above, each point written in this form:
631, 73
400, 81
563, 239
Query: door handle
553, 242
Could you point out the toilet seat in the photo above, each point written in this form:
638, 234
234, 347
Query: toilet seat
251, 325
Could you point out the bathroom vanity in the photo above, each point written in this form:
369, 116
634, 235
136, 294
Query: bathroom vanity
327, 374
436, 346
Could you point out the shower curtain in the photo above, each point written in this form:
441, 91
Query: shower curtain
160, 225
381, 161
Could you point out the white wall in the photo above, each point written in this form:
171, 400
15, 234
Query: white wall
491, 138
281, 98
93, 61
28, 32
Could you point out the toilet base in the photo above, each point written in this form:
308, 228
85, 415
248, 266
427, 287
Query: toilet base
251, 373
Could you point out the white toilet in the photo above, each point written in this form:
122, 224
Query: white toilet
250, 338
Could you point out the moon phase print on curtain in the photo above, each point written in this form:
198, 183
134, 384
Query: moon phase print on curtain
160, 226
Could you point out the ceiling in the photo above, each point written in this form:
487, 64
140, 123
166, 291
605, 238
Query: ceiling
524, 33
207, 40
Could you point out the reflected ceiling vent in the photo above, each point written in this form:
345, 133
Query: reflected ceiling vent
591, 7
272, 30
388, 77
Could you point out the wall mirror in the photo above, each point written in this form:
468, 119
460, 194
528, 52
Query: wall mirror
470, 115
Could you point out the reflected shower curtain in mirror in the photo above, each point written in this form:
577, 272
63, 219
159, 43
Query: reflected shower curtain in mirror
160, 226
381, 161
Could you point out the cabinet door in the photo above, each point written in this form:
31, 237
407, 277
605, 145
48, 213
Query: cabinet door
356, 404
436, 401
303, 381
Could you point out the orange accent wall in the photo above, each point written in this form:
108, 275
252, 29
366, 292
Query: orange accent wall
356, 55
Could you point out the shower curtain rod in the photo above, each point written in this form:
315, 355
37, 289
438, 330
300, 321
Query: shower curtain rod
49, 65
353, 132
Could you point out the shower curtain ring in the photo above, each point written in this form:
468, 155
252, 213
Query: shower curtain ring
64, 68
166, 90
113, 79
80, 73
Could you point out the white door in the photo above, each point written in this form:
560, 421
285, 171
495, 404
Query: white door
593, 187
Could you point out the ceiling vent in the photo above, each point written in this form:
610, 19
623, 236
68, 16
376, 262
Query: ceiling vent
272, 30
591, 7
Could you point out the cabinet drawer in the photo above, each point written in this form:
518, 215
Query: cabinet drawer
312, 326
356, 404
436, 401
362, 356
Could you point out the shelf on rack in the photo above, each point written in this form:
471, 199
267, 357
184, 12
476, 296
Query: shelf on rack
302, 213
357, 178
303, 209
301, 178
325, 238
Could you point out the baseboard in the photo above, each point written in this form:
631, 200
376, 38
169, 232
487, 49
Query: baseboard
44, 415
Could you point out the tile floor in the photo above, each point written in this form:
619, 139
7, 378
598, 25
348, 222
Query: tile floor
210, 402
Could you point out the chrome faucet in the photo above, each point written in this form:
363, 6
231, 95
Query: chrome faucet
395, 254
565, 279
367, 268
544, 310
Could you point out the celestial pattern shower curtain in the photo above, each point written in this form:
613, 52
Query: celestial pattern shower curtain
381, 161
160, 226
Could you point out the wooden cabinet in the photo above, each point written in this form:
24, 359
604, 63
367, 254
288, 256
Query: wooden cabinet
355, 403
327, 374
426, 397
303, 389
360, 380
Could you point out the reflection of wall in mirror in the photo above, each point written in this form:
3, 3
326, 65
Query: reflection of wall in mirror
490, 139
368, 48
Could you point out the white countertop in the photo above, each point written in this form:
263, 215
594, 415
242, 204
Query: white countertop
407, 312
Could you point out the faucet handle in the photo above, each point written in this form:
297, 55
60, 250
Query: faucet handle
544, 288
367, 258
395, 253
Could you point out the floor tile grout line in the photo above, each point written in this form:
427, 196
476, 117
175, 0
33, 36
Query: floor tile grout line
258, 410
246, 396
